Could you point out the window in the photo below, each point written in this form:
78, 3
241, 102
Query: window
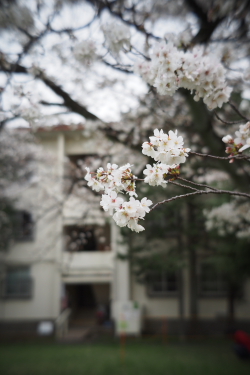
87, 238
162, 284
212, 281
24, 226
17, 283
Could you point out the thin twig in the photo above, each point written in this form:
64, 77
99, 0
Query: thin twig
117, 67
72, 30
237, 111
237, 157
140, 53
196, 183
209, 156
185, 186
200, 192
226, 122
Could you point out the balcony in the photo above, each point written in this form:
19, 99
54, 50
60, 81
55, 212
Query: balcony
87, 267
87, 256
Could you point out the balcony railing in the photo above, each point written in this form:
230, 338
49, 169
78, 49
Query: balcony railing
88, 267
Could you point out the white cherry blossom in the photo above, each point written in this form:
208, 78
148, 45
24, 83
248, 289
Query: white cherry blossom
241, 141
155, 175
166, 148
117, 36
171, 68
133, 225
111, 201
85, 52
145, 203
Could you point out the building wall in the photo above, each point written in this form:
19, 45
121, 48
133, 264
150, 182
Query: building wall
41, 253
209, 308
154, 307
44, 254
42, 304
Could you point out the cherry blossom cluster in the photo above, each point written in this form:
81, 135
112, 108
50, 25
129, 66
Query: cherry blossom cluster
116, 180
166, 148
112, 179
168, 151
241, 141
155, 175
229, 218
85, 52
170, 68
117, 36
127, 213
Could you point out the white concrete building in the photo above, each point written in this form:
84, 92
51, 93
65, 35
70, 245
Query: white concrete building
65, 255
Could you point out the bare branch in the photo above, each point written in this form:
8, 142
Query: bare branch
43, 102
102, 5
207, 26
181, 185
237, 111
226, 122
118, 67
196, 183
200, 192
68, 101
72, 30
236, 157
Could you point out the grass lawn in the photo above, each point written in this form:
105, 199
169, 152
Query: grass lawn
141, 358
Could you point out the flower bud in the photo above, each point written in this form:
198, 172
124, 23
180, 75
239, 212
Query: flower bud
227, 139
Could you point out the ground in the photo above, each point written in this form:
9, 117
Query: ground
147, 357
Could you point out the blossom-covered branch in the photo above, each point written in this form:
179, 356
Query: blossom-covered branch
168, 151
171, 69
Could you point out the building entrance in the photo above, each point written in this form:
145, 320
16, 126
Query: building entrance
90, 304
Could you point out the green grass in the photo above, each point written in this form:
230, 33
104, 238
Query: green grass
141, 358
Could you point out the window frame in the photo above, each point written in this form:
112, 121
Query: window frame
83, 229
217, 279
6, 294
19, 232
164, 293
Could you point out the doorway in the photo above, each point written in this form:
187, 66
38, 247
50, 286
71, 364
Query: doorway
90, 303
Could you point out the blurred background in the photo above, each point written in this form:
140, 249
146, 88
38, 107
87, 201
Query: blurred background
70, 99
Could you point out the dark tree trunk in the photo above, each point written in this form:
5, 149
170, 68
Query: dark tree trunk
191, 246
182, 333
231, 305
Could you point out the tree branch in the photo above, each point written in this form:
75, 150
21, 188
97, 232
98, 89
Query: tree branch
196, 183
227, 122
233, 106
181, 185
200, 192
68, 101
237, 157
207, 27
102, 5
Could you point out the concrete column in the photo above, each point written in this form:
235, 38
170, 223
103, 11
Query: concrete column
60, 154
120, 288
59, 242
